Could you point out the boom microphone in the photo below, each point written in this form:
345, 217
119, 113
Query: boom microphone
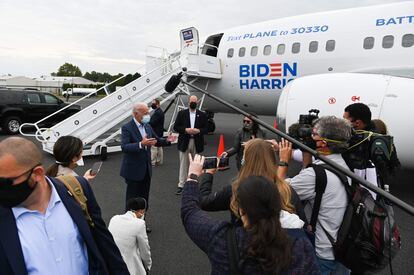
173, 82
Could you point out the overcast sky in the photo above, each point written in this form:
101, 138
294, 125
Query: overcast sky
37, 36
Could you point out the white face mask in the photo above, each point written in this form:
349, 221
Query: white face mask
146, 119
80, 162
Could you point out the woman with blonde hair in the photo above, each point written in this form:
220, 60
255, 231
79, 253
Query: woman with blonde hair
258, 160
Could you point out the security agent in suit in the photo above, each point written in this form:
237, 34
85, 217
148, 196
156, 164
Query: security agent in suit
42, 228
191, 124
157, 124
137, 139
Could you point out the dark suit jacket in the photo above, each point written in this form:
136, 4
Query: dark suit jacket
104, 255
157, 122
183, 121
137, 161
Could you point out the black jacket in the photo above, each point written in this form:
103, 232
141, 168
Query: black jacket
240, 137
183, 121
104, 256
220, 200
157, 122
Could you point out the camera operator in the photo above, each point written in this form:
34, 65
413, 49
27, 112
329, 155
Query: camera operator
373, 161
331, 136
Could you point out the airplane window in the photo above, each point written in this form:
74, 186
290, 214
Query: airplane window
388, 41
267, 49
296, 47
408, 40
369, 43
313, 46
254, 50
242, 51
230, 53
281, 49
330, 45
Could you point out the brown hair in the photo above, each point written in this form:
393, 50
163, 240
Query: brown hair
380, 126
260, 160
64, 150
268, 243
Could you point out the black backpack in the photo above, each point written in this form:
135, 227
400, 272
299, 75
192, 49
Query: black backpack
368, 237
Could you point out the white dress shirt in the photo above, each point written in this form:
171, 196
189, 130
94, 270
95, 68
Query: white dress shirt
131, 238
192, 118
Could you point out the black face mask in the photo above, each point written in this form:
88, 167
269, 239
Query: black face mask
193, 105
13, 195
153, 106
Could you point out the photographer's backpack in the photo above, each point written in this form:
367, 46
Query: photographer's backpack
368, 147
368, 237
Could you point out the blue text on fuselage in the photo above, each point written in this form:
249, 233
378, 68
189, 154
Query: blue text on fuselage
266, 76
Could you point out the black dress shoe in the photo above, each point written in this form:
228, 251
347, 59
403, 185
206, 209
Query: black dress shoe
148, 229
179, 191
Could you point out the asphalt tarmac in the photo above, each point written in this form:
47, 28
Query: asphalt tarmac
172, 251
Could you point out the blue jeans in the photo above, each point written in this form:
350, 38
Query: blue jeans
332, 267
327, 266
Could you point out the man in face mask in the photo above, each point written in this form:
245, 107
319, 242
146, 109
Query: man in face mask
42, 227
331, 136
137, 139
191, 124
157, 124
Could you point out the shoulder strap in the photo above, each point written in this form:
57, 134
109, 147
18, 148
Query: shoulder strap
320, 186
233, 250
75, 188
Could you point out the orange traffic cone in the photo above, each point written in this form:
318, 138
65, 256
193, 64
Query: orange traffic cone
221, 146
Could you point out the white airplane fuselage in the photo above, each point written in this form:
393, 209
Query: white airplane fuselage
257, 62
254, 81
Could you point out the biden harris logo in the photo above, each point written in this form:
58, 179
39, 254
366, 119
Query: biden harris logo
266, 76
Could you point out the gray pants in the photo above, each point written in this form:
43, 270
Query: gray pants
185, 162
156, 155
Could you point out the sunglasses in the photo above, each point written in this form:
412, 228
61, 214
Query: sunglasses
247, 121
10, 181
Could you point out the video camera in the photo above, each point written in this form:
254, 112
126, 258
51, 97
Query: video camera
302, 131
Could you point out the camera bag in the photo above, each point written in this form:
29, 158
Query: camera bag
368, 237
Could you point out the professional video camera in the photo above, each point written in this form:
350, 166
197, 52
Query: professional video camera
302, 130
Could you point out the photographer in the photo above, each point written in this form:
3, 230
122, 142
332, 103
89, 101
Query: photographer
371, 156
259, 160
331, 136
259, 244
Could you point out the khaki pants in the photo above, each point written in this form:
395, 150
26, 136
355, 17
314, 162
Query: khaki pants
185, 162
156, 155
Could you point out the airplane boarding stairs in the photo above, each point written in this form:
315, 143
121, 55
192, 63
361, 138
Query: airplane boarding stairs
98, 124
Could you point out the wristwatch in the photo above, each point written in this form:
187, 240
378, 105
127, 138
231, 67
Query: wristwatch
283, 163
193, 177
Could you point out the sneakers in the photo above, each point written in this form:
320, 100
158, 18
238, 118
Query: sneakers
179, 191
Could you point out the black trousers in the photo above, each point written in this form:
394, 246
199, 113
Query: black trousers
138, 189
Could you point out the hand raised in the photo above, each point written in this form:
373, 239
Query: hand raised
196, 164
285, 150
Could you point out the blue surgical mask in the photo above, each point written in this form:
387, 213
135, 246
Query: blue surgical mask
146, 119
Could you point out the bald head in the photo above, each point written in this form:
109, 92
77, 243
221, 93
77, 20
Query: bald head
25, 152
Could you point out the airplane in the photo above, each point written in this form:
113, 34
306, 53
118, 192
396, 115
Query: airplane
336, 58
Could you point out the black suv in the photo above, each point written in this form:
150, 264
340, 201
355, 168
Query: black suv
21, 106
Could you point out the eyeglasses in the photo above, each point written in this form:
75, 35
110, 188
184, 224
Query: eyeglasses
10, 181
246, 121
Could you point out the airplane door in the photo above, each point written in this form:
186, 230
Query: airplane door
189, 40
